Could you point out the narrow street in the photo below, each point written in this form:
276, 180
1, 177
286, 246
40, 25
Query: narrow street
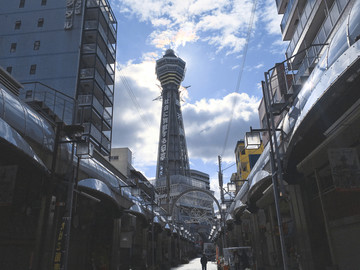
195, 265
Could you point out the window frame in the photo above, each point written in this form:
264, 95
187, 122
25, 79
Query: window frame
36, 45
40, 22
13, 47
9, 69
32, 69
17, 25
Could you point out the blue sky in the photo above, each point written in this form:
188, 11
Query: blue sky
210, 36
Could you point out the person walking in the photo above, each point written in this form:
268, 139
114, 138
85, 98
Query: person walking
237, 260
203, 261
244, 260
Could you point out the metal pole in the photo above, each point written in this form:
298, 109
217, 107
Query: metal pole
152, 232
222, 217
224, 232
326, 221
220, 176
68, 213
274, 171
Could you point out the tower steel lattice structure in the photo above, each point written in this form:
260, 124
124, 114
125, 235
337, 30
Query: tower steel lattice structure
172, 152
173, 174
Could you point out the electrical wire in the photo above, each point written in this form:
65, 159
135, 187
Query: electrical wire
134, 99
237, 89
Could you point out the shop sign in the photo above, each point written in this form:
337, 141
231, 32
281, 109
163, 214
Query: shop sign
58, 258
345, 169
164, 130
7, 183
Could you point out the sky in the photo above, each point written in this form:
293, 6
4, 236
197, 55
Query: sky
221, 89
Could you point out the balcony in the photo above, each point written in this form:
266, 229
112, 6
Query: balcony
54, 101
106, 12
107, 117
313, 53
92, 25
281, 6
105, 142
93, 49
90, 87
291, 18
92, 73
289, 10
90, 100
306, 17
91, 130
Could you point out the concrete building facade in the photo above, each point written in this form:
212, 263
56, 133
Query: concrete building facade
314, 222
63, 52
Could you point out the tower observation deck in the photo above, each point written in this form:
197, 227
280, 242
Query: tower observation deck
172, 152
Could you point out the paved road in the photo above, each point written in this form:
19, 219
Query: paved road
195, 265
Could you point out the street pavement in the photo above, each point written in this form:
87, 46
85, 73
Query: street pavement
195, 265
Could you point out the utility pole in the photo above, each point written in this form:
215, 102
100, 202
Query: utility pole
276, 169
222, 214
220, 176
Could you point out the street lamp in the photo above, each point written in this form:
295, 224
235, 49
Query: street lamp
252, 140
74, 132
231, 187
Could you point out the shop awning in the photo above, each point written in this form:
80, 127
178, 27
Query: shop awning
12, 138
100, 190
239, 207
137, 210
260, 182
229, 218
239, 204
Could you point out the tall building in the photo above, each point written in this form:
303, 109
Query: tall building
121, 159
173, 175
63, 52
172, 153
202, 178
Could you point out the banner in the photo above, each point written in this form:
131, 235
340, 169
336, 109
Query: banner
345, 169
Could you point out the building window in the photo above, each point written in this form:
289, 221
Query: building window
13, 47
114, 157
40, 22
17, 25
22, 3
32, 69
43, 2
28, 94
36, 45
9, 70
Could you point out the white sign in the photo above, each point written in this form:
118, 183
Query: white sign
164, 130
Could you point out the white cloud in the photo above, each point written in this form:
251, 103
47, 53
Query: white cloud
271, 18
210, 119
179, 22
259, 66
135, 113
205, 121
221, 23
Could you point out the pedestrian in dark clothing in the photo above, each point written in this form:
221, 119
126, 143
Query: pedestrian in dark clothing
244, 260
237, 260
203, 261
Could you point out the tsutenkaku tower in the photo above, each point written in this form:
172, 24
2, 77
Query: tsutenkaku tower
172, 152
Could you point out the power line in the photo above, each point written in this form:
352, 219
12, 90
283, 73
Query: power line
134, 99
248, 35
